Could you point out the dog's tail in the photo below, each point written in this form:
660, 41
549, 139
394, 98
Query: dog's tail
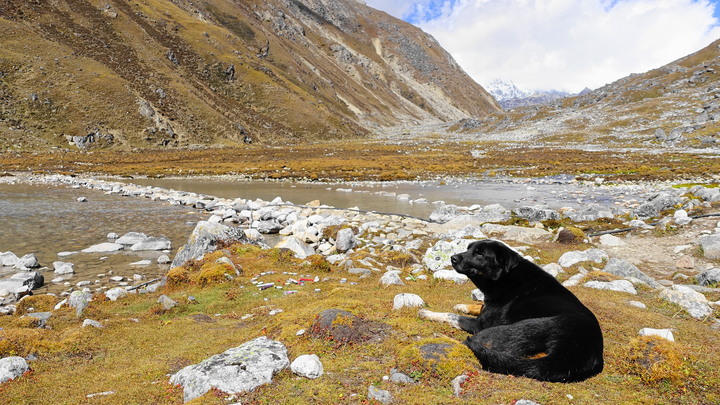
551, 367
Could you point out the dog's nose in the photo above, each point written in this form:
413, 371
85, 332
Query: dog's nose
455, 259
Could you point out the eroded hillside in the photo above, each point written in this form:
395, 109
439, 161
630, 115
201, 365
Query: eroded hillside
155, 73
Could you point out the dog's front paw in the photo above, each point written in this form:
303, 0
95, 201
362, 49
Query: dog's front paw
462, 308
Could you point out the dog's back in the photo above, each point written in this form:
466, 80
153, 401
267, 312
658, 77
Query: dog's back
533, 326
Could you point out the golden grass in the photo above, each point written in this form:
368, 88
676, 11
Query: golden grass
356, 160
138, 346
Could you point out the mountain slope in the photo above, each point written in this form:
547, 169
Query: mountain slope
675, 106
180, 73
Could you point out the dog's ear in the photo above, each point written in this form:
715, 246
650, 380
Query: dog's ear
505, 258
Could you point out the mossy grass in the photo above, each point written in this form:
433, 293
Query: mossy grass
138, 346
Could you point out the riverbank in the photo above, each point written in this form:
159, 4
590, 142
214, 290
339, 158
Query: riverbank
359, 262
379, 159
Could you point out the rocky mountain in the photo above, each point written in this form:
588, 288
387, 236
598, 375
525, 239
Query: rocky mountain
676, 105
154, 73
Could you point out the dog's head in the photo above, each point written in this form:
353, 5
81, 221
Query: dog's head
485, 259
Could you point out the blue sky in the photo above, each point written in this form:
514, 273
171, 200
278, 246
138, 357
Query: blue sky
562, 44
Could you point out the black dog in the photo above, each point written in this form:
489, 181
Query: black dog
530, 324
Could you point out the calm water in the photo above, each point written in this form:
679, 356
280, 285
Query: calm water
45, 220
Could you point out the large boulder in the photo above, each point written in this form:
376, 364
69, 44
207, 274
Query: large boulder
517, 233
151, 243
438, 257
12, 368
623, 268
536, 213
236, 370
8, 259
205, 238
711, 246
29, 261
573, 257
692, 301
656, 204
345, 240
300, 249
709, 277
131, 238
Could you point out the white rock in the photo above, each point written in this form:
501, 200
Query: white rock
151, 243
236, 370
638, 304
298, 247
438, 257
12, 368
116, 293
611, 241
104, 248
131, 238
8, 259
573, 280
164, 259
450, 275
63, 268
663, 333
692, 301
616, 285
391, 277
308, 366
90, 322
553, 269
407, 300
144, 262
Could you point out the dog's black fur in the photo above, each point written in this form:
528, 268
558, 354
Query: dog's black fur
530, 325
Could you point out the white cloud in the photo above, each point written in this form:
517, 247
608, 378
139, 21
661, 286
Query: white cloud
563, 44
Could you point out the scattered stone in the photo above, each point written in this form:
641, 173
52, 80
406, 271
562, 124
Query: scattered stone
100, 394
204, 239
379, 395
8, 259
451, 275
625, 269
553, 269
536, 213
616, 285
457, 384
638, 304
400, 378
63, 268
116, 293
163, 259
657, 203
343, 327
79, 300
308, 366
166, 302
299, 248
663, 333
42, 317
438, 257
29, 261
90, 322
145, 262
591, 255
685, 262
105, 247
406, 300
236, 370
711, 246
151, 243
345, 240
709, 277
692, 301
131, 238
391, 277
12, 367
573, 280
81, 199
611, 241
517, 233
